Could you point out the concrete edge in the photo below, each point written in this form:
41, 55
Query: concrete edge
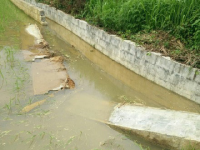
171, 142
164, 139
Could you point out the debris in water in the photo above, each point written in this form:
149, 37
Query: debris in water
57, 59
70, 83
32, 106
34, 31
49, 75
31, 56
67, 56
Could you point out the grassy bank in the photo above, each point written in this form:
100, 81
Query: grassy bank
10, 18
7, 22
171, 27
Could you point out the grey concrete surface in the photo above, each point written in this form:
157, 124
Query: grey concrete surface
175, 129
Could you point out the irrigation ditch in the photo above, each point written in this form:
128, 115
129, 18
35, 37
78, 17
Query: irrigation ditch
76, 117
162, 70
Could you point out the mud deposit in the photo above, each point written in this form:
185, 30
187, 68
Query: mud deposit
71, 118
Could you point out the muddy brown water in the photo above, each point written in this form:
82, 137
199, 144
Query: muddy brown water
73, 119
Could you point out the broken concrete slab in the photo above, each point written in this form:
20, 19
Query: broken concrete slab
32, 55
48, 75
35, 32
175, 129
32, 106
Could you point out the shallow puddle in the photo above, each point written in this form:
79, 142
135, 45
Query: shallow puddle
73, 118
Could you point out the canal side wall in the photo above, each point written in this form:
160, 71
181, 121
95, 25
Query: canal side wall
179, 78
31, 10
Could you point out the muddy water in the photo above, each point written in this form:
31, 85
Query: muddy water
137, 89
76, 118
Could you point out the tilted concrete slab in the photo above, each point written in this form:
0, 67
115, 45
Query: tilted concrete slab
175, 129
48, 75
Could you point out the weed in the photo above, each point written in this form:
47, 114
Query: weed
166, 44
148, 53
2, 78
197, 72
8, 106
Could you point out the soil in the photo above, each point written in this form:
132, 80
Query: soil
167, 45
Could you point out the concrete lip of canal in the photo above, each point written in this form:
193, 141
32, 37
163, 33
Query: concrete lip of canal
175, 129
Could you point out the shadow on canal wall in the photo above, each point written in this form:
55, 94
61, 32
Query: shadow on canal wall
179, 78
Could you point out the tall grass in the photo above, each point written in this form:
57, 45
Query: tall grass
11, 18
6, 15
179, 17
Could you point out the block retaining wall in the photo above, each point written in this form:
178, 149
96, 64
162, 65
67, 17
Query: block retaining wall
179, 78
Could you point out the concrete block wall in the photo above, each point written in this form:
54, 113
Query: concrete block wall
179, 78
31, 10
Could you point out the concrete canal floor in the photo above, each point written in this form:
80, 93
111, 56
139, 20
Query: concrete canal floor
72, 118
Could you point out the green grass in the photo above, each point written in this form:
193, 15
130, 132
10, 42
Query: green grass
10, 19
127, 18
7, 17
179, 17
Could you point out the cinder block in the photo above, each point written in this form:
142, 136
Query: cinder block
103, 43
171, 66
191, 86
42, 19
115, 40
197, 77
87, 40
163, 62
177, 68
163, 74
196, 98
66, 24
125, 45
106, 37
74, 29
88, 30
150, 57
40, 5
187, 72
97, 46
99, 33
83, 24
176, 78
137, 61
133, 50
81, 30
